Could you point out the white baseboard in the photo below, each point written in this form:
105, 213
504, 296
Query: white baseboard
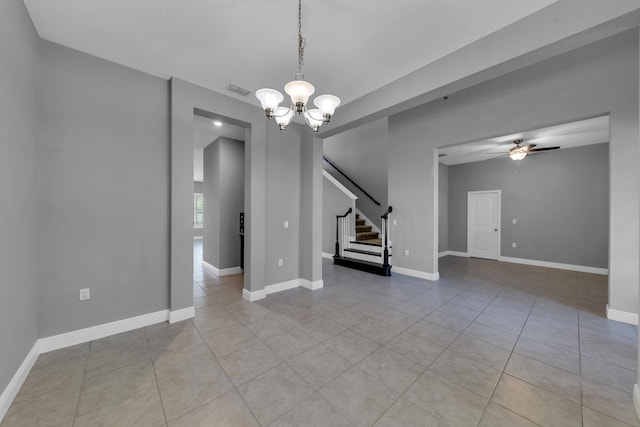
255, 295
453, 253
558, 265
222, 271
318, 284
416, 273
68, 339
182, 314
282, 286
327, 255
636, 399
11, 390
92, 333
622, 316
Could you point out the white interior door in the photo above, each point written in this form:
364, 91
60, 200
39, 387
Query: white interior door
483, 220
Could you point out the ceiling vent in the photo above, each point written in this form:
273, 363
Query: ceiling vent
442, 154
239, 90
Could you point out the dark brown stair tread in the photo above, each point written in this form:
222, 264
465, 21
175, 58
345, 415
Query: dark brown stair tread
367, 235
371, 242
363, 228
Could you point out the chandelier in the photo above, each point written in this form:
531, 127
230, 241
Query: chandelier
299, 91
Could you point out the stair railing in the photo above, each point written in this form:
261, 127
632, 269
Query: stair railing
333, 165
342, 232
385, 236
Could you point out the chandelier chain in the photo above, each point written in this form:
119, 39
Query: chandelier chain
301, 41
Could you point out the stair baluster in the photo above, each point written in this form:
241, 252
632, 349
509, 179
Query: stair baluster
385, 237
342, 225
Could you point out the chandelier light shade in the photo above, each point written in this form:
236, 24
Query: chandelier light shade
299, 91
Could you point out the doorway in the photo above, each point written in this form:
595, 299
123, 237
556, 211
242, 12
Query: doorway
483, 224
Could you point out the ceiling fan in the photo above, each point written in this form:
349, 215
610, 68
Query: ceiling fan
519, 152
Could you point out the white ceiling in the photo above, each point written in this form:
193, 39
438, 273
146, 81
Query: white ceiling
204, 133
353, 47
567, 135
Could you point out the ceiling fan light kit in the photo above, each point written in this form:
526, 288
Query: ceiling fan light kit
519, 153
299, 91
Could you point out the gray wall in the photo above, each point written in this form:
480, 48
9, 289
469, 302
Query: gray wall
212, 204
224, 198
560, 200
283, 203
443, 208
198, 187
18, 170
362, 154
586, 82
103, 217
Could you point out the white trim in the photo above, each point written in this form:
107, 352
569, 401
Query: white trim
198, 237
327, 255
282, 286
622, 316
182, 314
224, 271
374, 227
340, 187
68, 339
318, 284
254, 296
416, 273
12, 389
636, 399
461, 254
558, 265
453, 253
80, 336
498, 227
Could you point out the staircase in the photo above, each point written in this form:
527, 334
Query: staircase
366, 252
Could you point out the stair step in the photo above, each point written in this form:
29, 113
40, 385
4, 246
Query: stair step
363, 252
369, 267
366, 247
367, 235
363, 228
360, 222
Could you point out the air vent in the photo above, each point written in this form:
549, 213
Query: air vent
239, 90
442, 154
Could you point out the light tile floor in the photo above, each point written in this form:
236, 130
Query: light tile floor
489, 344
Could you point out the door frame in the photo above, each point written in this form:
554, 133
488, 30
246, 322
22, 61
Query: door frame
499, 211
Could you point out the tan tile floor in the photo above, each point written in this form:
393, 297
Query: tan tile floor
490, 344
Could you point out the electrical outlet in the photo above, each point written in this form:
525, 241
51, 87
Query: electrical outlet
395, 222
286, 224
280, 262
513, 245
406, 252
514, 221
84, 294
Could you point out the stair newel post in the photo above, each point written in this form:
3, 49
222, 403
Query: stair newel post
338, 218
385, 225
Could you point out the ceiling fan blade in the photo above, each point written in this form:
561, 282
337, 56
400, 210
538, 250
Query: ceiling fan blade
543, 149
530, 146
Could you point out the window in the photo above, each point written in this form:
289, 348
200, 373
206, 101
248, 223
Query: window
198, 210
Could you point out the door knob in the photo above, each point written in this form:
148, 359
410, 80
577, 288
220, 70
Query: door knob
495, 229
